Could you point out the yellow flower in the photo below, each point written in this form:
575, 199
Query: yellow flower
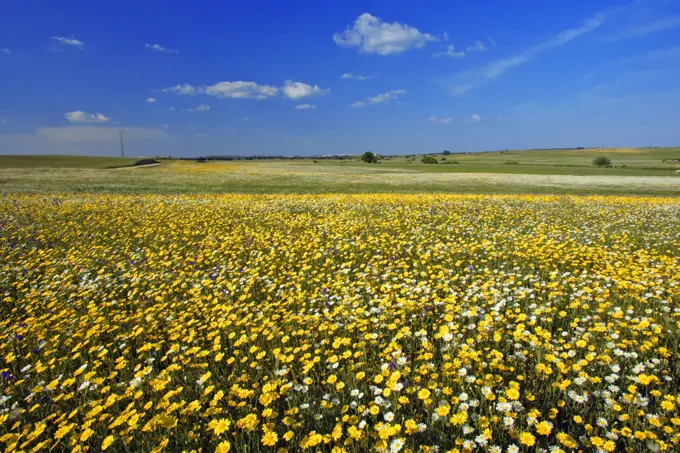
512, 393
86, 435
423, 394
667, 405
526, 438
543, 428
107, 442
223, 447
443, 410
269, 439
219, 426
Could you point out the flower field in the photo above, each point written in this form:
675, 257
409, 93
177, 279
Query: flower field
348, 323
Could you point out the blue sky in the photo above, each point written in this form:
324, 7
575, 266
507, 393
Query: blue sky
310, 77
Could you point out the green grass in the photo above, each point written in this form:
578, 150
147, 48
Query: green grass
59, 161
550, 172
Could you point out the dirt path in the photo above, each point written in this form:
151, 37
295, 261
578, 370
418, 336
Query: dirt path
135, 166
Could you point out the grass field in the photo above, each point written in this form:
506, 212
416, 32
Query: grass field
339, 323
636, 172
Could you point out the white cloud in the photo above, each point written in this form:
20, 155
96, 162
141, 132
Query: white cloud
3, 120
297, 90
450, 52
500, 66
159, 48
440, 120
199, 108
180, 89
244, 118
478, 46
349, 75
305, 106
68, 41
5, 50
371, 35
379, 98
84, 117
475, 118
658, 26
240, 90
249, 90
150, 100
463, 82
95, 134
493, 43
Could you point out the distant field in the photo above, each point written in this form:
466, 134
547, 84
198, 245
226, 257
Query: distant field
48, 161
635, 172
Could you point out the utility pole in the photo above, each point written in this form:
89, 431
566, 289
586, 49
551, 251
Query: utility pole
122, 149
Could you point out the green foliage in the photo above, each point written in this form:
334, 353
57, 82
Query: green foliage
511, 162
602, 161
429, 160
369, 157
446, 152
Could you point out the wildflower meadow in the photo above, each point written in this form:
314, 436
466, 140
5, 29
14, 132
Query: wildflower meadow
339, 323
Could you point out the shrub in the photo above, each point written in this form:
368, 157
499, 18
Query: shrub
429, 160
446, 152
511, 162
602, 161
369, 157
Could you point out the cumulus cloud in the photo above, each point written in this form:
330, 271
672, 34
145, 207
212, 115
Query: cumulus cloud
240, 90
440, 120
150, 100
250, 90
199, 108
68, 41
450, 52
475, 118
180, 89
371, 35
379, 98
297, 90
305, 106
5, 50
159, 48
349, 75
84, 117
95, 134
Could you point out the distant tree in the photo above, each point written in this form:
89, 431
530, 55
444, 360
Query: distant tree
446, 152
429, 160
602, 161
369, 157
